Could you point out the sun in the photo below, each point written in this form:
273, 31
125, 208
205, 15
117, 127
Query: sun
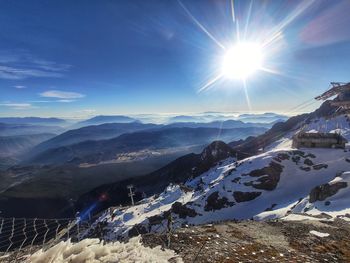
242, 60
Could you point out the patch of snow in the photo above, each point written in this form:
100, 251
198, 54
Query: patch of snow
319, 234
299, 217
94, 250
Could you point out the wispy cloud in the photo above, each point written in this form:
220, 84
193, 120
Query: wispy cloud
65, 101
87, 111
22, 65
17, 106
53, 101
20, 87
22, 73
64, 95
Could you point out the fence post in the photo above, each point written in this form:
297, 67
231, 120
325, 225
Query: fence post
170, 226
11, 236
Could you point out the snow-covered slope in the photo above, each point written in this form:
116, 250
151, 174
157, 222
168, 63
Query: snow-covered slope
277, 183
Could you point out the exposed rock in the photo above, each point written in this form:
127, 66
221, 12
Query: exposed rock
182, 210
216, 203
310, 155
322, 192
307, 169
236, 180
157, 219
308, 162
271, 207
320, 166
245, 196
277, 159
137, 230
296, 159
269, 177
298, 152
283, 156
217, 150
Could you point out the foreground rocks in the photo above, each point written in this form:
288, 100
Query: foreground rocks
251, 241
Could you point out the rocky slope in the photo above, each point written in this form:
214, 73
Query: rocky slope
282, 182
176, 172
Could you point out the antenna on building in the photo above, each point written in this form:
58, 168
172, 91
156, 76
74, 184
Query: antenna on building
131, 193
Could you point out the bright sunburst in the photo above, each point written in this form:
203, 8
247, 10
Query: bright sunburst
251, 49
242, 60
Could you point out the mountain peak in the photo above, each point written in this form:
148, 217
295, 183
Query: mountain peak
217, 150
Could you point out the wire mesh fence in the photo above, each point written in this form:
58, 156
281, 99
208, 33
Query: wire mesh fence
20, 237
29, 234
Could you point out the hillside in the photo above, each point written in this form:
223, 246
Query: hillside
282, 182
178, 171
94, 152
16, 145
94, 132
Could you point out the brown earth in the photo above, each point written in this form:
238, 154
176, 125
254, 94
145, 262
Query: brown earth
250, 241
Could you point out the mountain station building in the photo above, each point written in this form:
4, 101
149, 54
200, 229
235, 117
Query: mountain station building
318, 140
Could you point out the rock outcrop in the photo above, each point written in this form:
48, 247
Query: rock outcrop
322, 192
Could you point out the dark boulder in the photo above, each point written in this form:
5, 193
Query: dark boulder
269, 177
216, 203
137, 230
322, 192
320, 166
182, 210
308, 162
245, 196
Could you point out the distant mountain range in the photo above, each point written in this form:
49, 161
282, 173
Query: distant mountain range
102, 150
111, 130
33, 121
9, 129
105, 119
268, 117
92, 133
228, 124
262, 118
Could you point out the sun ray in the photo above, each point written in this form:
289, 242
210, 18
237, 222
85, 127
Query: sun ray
233, 11
248, 19
277, 30
200, 25
246, 95
272, 71
210, 83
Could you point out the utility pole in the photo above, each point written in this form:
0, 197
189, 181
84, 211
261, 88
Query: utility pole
131, 193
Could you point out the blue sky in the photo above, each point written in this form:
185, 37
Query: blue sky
80, 58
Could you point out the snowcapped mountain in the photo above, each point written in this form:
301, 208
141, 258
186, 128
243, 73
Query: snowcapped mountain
281, 182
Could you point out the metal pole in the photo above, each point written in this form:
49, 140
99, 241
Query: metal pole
131, 193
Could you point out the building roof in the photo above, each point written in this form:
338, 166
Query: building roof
320, 135
336, 88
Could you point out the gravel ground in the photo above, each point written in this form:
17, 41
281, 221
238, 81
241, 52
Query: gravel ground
250, 241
